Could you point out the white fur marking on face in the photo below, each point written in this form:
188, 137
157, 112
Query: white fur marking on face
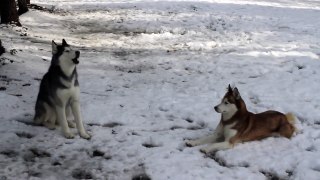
227, 109
65, 61
230, 112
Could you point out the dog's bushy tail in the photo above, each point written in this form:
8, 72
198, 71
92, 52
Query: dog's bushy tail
292, 120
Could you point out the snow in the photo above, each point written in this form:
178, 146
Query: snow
150, 74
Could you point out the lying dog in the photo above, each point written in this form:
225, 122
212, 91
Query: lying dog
59, 92
238, 125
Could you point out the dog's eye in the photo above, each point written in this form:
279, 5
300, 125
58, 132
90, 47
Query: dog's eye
226, 102
67, 51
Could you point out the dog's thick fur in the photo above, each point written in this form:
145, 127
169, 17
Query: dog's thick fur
59, 92
238, 125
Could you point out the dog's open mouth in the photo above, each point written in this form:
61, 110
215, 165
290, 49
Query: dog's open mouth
75, 60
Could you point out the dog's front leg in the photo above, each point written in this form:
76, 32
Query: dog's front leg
229, 135
75, 105
208, 139
216, 147
68, 114
61, 114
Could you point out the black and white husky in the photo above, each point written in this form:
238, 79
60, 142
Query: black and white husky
59, 92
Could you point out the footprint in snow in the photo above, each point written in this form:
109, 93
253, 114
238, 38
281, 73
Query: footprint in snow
163, 109
112, 124
81, 174
24, 135
99, 153
33, 153
9, 153
188, 119
151, 144
176, 127
108, 125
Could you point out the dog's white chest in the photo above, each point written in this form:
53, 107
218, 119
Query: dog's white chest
71, 92
228, 132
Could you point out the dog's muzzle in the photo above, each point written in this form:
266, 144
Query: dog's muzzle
75, 60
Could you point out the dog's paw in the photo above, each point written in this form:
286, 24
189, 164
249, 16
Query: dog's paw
191, 143
85, 135
205, 150
69, 135
71, 124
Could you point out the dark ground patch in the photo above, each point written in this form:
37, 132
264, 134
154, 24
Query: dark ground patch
133, 68
27, 84
9, 153
150, 145
5, 61
141, 177
34, 173
108, 125
98, 153
176, 127
112, 124
81, 174
93, 124
195, 127
271, 176
56, 163
189, 120
220, 161
40, 153
33, 153
126, 53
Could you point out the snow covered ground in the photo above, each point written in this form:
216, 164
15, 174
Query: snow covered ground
150, 73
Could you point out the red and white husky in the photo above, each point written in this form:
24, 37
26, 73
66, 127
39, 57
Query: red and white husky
238, 125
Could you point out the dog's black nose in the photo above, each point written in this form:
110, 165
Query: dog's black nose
216, 108
77, 53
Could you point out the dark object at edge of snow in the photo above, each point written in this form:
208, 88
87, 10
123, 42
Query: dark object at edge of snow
141, 177
2, 49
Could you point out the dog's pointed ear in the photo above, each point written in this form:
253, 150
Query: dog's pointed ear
64, 42
236, 93
54, 47
229, 88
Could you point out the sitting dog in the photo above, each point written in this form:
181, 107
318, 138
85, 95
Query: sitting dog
59, 92
238, 125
